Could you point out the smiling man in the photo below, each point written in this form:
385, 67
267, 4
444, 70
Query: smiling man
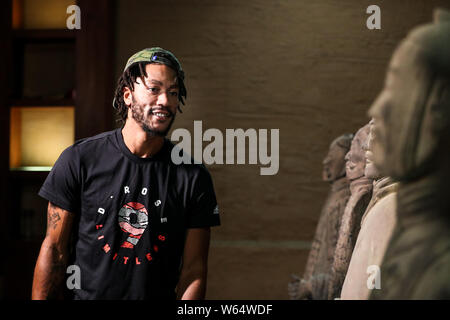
135, 224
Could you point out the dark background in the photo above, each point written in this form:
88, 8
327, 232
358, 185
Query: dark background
308, 68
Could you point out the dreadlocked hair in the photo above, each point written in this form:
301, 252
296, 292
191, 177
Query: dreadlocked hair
127, 79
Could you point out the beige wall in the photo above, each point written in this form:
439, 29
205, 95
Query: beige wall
308, 68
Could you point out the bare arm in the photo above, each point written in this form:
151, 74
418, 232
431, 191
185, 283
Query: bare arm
52, 261
192, 284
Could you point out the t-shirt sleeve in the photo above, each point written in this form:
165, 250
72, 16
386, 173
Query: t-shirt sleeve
203, 210
62, 186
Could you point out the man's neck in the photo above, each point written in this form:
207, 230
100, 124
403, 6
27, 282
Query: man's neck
140, 142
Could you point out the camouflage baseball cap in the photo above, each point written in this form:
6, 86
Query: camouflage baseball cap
156, 55
162, 56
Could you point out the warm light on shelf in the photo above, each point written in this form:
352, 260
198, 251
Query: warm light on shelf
40, 14
35, 169
39, 135
17, 14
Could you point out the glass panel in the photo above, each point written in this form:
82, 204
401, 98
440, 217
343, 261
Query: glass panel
39, 135
40, 14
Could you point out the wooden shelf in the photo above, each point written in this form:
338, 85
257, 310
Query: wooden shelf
28, 175
24, 57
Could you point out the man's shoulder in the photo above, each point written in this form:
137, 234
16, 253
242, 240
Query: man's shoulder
86, 146
99, 138
188, 165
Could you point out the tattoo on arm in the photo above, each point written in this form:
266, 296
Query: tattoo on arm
53, 216
49, 274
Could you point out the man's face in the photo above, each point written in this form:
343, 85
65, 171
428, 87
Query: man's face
355, 158
334, 163
154, 101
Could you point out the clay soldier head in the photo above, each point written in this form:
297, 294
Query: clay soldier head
412, 112
371, 170
334, 162
355, 158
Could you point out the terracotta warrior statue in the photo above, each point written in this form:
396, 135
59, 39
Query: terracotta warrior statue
314, 284
361, 192
377, 225
412, 145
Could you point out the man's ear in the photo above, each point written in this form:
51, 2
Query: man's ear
127, 96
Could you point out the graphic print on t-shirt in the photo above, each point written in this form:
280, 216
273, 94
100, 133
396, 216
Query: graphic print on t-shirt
133, 219
137, 220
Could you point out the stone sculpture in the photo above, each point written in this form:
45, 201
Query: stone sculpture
377, 225
412, 140
314, 284
361, 192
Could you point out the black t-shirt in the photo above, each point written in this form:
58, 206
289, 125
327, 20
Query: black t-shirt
132, 214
